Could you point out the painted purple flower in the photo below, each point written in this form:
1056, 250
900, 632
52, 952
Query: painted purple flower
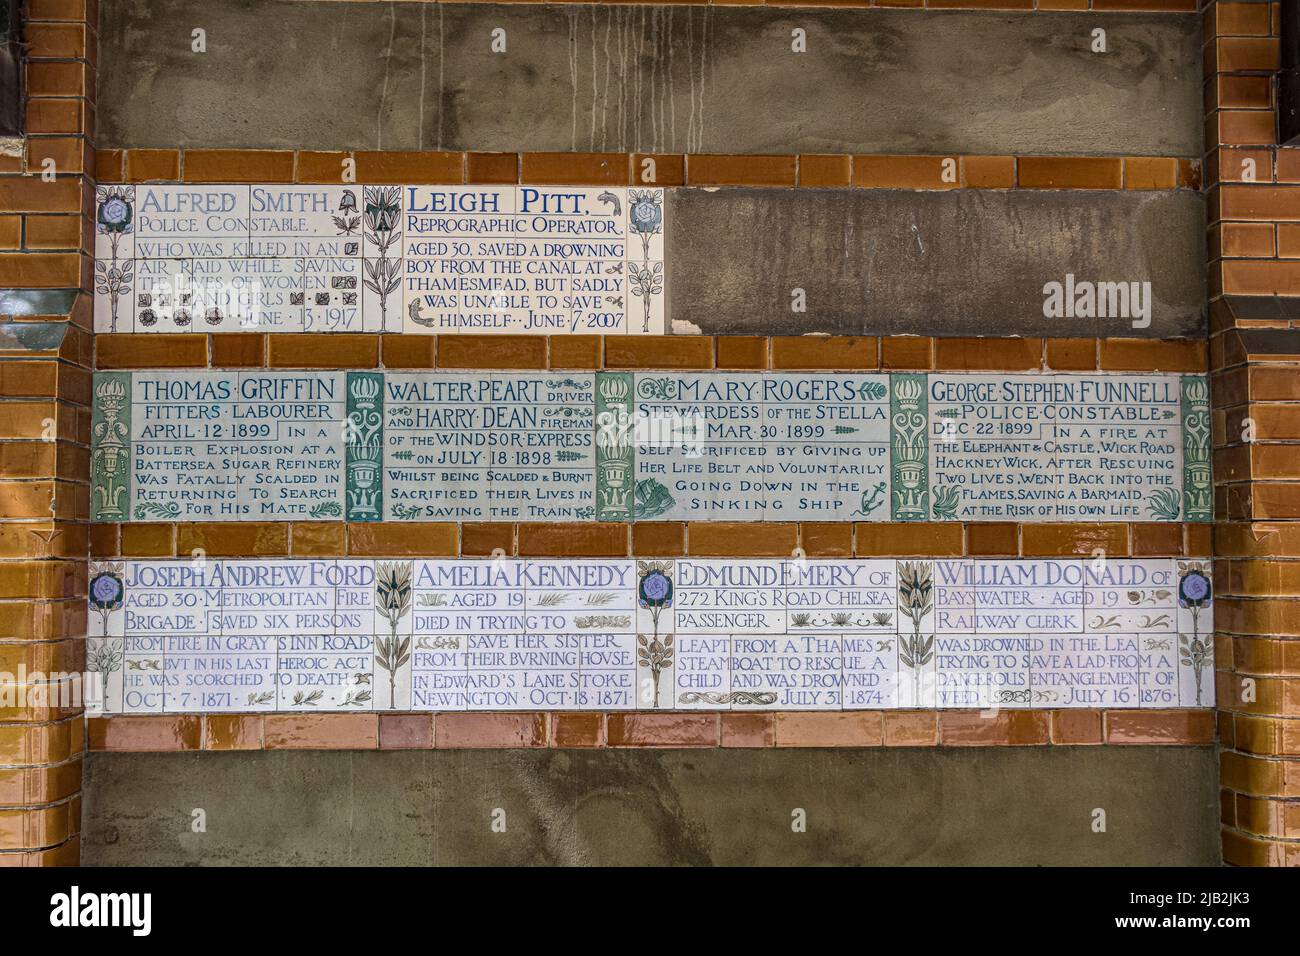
1193, 589
647, 213
106, 591
115, 210
656, 590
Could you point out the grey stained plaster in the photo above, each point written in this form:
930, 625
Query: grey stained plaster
934, 806
298, 74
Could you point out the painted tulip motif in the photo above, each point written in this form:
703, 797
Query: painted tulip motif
347, 220
392, 601
383, 215
915, 600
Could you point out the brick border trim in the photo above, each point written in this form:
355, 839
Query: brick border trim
666, 539
363, 350
588, 730
808, 170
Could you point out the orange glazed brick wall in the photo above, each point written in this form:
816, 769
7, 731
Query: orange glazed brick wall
45, 355
1253, 191
46, 237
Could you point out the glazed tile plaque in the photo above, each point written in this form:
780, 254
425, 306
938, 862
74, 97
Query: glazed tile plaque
729, 634
357, 258
623, 446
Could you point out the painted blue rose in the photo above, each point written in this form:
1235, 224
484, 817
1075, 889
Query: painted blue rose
105, 591
115, 214
656, 590
647, 213
1193, 589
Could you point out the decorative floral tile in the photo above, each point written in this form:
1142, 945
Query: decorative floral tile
441, 259
620, 446
649, 634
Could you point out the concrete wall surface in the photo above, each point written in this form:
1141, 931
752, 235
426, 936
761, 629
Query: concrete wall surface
984, 806
338, 75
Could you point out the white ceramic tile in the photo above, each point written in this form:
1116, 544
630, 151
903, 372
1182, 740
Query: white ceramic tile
1054, 447
656, 646
522, 671
1194, 597
437, 460
328, 672
106, 599
332, 293
305, 222
1160, 676
916, 648
163, 297
191, 221
836, 596
871, 671
608, 673
1086, 670
469, 597
277, 598
702, 672
286, 435
440, 672
700, 436
953, 596
382, 302
540, 449
216, 674
786, 672
143, 686
116, 221
1023, 596
176, 473
568, 596
1130, 596
721, 596
826, 439
172, 597
983, 671
102, 686
509, 634
489, 448
115, 296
